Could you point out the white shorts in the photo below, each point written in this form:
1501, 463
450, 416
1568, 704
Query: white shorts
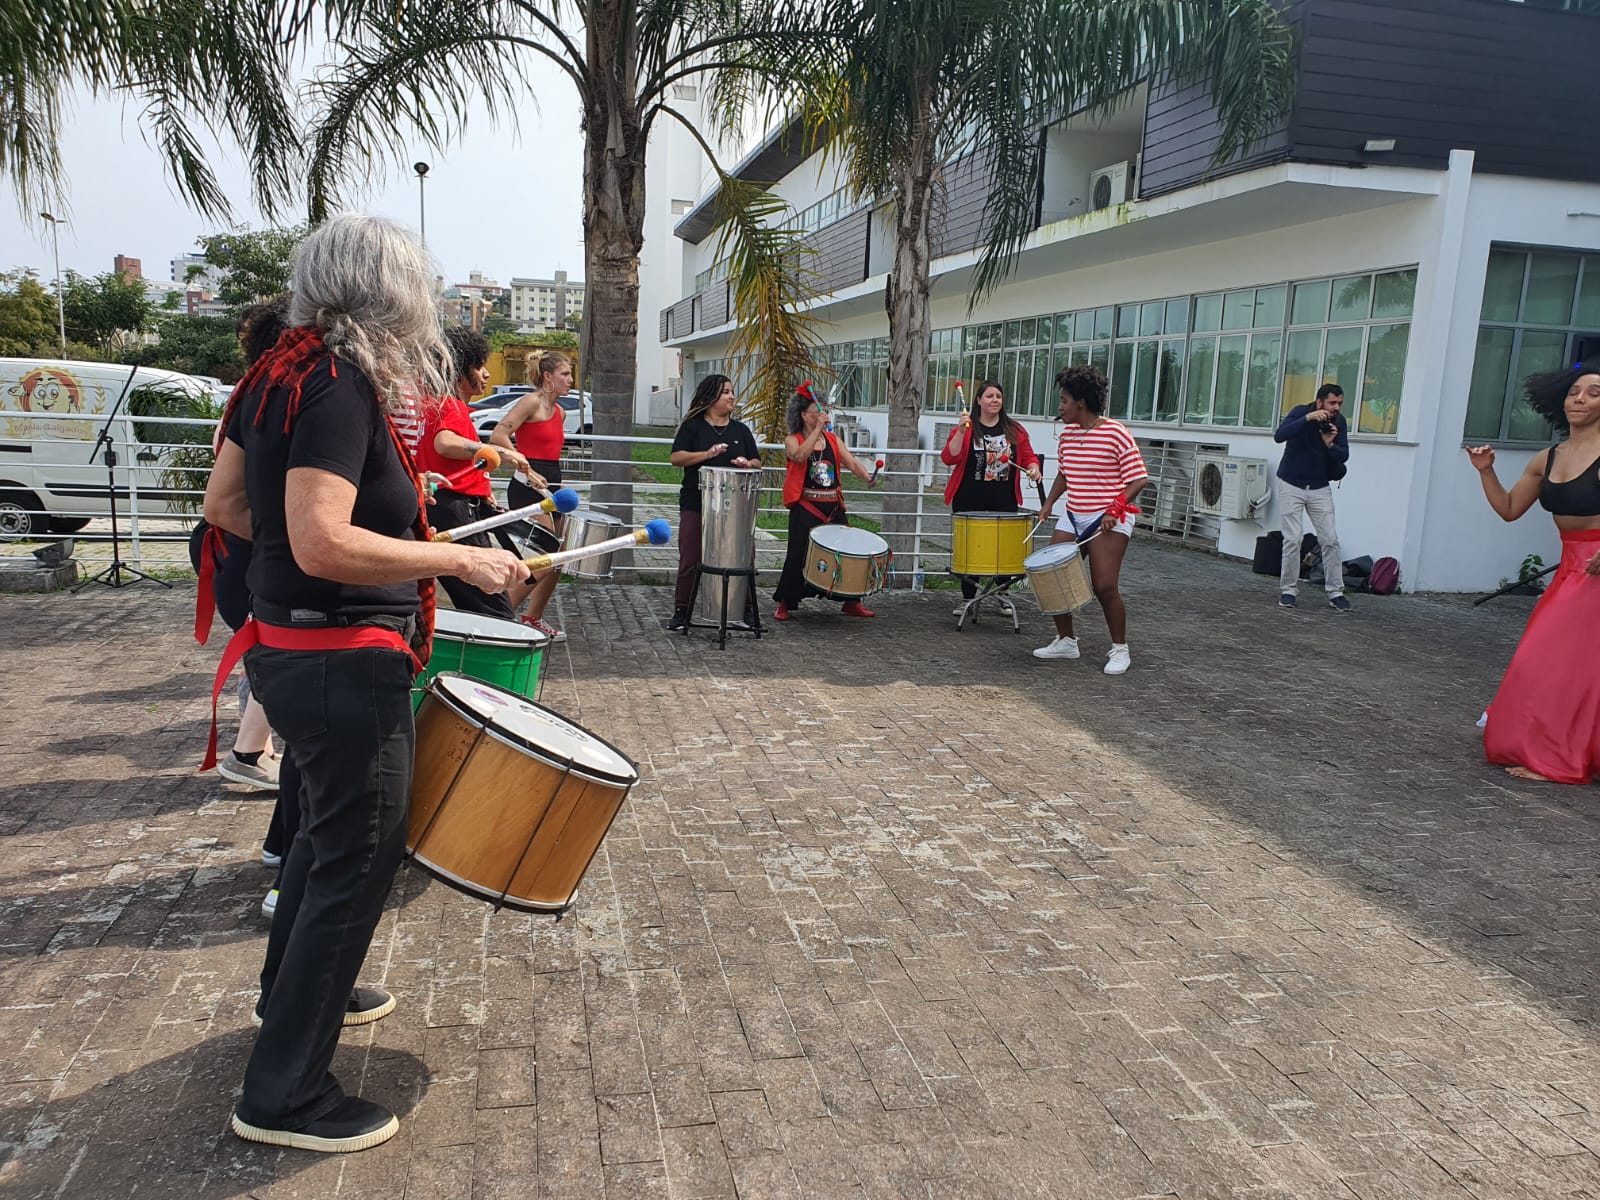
1077, 522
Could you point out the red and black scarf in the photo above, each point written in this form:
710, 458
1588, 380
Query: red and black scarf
290, 362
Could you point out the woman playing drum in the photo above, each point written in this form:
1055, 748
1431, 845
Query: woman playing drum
1545, 719
984, 454
812, 495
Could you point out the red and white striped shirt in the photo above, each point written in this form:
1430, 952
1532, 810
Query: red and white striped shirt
1098, 464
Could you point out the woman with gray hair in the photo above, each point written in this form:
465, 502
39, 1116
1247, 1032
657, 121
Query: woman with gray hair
313, 469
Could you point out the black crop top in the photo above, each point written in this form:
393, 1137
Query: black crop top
1577, 497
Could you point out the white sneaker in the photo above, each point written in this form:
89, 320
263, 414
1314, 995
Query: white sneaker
1061, 647
1118, 661
270, 904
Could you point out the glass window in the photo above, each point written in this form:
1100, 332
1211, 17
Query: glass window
1380, 386
1080, 356
1311, 303
1341, 361
1269, 306
1502, 287
1043, 400
1261, 385
1228, 401
1393, 293
1102, 323
1127, 320
1202, 366
1238, 308
1538, 351
1588, 312
1352, 298
1208, 313
1150, 319
1178, 313
1014, 334
1121, 379
1169, 387
1300, 374
1144, 381
1552, 280
1064, 328
1486, 397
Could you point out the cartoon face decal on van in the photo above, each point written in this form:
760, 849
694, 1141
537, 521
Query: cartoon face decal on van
48, 390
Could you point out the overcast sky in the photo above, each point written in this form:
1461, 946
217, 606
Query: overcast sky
497, 203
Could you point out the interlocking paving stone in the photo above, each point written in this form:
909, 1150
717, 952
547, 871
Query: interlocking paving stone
893, 911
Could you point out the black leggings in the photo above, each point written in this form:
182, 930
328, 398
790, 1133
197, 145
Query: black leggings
792, 586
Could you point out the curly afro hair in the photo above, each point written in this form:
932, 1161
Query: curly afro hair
1086, 385
1547, 394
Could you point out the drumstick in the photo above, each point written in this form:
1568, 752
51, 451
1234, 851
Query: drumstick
876, 467
962, 400
564, 501
656, 532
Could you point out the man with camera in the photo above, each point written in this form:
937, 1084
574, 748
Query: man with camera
1316, 449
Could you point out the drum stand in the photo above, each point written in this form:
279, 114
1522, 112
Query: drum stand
990, 587
725, 574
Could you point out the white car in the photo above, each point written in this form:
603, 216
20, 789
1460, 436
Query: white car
577, 406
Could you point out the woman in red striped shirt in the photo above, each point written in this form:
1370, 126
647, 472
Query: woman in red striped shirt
1101, 471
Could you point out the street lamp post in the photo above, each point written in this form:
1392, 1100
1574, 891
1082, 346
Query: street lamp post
421, 169
61, 308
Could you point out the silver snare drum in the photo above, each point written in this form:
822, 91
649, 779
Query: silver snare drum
586, 527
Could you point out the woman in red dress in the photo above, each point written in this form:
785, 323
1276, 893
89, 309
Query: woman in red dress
1545, 720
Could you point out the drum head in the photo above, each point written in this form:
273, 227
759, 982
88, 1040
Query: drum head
537, 730
452, 624
842, 539
590, 516
1051, 556
994, 516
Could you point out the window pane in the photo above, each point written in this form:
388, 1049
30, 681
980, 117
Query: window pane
1311, 303
1150, 318
1169, 387
1502, 287
1552, 278
1014, 334
1393, 293
1238, 308
1202, 362
1083, 325
1043, 394
1063, 358
1588, 313
1028, 332
1540, 351
1341, 362
1261, 388
1269, 306
1208, 313
1300, 372
1352, 298
1102, 323
1127, 320
1386, 368
1080, 356
1121, 379
1486, 397
1178, 312
1230, 380
1144, 382
1100, 357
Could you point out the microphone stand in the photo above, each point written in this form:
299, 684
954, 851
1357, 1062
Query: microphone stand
112, 576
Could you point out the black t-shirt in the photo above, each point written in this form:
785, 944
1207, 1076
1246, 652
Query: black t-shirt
337, 427
986, 484
699, 435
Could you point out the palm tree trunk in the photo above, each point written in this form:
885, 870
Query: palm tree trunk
906, 300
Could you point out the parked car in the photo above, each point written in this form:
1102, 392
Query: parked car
500, 397
578, 407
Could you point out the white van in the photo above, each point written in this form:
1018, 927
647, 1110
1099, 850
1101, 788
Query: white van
52, 478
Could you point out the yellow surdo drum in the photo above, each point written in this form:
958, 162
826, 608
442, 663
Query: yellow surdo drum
509, 801
990, 543
1059, 579
847, 563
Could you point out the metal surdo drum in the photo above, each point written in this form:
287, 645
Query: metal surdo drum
505, 653
729, 500
586, 527
846, 563
509, 802
990, 543
1059, 579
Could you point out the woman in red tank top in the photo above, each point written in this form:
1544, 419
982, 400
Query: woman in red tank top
535, 427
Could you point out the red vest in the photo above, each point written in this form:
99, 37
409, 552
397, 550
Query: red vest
794, 478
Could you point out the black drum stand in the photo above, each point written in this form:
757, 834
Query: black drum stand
990, 587
726, 574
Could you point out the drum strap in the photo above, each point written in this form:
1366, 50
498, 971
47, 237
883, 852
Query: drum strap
254, 633
817, 512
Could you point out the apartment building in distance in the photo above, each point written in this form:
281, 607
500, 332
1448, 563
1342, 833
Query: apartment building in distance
471, 303
1422, 229
540, 305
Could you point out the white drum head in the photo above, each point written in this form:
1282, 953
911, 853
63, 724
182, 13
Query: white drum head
842, 539
453, 625
1050, 556
537, 729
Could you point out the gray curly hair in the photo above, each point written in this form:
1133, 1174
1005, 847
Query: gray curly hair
794, 414
367, 284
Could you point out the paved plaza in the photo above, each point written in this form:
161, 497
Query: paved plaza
894, 911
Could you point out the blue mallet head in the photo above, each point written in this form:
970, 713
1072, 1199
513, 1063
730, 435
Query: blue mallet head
659, 530
566, 500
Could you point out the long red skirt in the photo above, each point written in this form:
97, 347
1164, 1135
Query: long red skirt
1546, 715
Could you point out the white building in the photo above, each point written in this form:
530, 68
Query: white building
540, 305
1419, 237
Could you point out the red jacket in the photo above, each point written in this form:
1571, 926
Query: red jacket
1025, 458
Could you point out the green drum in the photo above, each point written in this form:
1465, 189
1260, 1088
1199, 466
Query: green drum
504, 653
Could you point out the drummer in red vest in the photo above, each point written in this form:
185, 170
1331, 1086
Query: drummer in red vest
812, 495
450, 449
314, 471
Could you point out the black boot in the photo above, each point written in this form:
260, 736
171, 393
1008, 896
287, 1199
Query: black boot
680, 619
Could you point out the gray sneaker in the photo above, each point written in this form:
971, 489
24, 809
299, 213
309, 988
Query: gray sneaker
262, 775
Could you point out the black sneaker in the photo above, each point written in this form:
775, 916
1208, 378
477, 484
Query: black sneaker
1339, 604
680, 619
1286, 600
355, 1124
365, 1006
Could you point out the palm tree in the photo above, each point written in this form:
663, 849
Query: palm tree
923, 82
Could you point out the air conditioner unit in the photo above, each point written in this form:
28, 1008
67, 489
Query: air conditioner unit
859, 437
1162, 505
1109, 186
1226, 487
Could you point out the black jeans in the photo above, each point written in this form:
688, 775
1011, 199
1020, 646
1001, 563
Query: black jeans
345, 716
450, 511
